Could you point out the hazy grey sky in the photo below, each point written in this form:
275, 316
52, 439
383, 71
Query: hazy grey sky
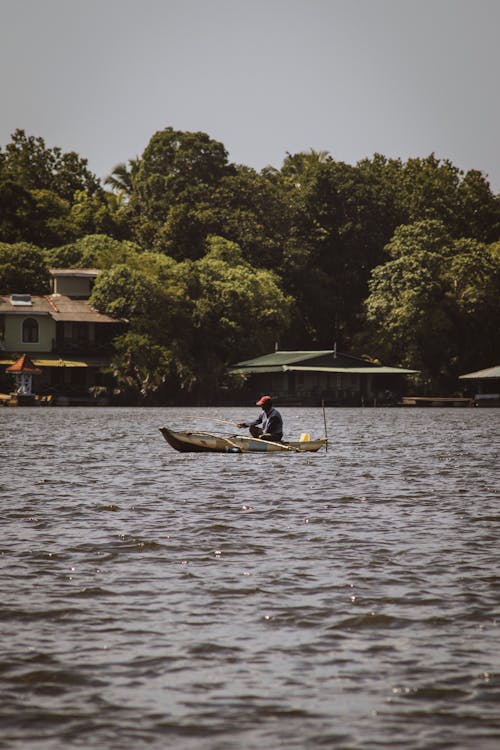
353, 77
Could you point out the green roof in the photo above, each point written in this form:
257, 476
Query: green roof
490, 372
313, 361
281, 358
355, 370
247, 370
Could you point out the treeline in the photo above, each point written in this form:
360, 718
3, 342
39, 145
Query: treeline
213, 262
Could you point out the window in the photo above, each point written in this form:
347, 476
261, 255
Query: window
80, 333
30, 331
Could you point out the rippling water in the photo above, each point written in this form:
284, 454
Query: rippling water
152, 599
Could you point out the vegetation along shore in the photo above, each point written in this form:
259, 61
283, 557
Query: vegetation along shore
211, 262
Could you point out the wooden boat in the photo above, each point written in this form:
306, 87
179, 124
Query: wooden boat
206, 442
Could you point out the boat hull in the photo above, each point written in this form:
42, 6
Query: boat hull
205, 442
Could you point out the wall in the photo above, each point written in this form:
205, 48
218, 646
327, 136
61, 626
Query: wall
13, 340
73, 286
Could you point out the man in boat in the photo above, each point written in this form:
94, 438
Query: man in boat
268, 425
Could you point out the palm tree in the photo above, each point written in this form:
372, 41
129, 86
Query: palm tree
301, 167
121, 179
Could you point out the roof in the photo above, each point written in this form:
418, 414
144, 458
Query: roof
490, 372
53, 360
36, 306
77, 310
374, 370
60, 308
23, 364
320, 357
80, 272
313, 361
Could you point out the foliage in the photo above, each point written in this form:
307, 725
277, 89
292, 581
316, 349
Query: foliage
434, 307
237, 309
92, 251
121, 179
196, 313
140, 366
125, 293
27, 161
48, 197
173, 164
17, 205
212, 262
23, 269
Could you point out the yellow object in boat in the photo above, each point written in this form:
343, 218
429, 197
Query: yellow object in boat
305, 437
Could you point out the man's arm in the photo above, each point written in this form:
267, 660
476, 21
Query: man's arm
251, 424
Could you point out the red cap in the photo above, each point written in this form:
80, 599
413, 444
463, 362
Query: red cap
263, 400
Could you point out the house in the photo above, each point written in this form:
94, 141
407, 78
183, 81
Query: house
309, 377
486, 384
65, 337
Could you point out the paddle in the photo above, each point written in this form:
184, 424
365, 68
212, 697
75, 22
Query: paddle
282, 446
236, 424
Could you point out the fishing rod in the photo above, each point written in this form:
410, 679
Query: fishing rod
211, 419
324, 424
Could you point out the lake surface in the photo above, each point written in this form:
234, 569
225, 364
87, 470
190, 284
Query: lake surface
346, 599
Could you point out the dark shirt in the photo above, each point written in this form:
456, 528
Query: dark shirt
270, 422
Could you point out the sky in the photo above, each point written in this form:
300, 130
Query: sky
403, 78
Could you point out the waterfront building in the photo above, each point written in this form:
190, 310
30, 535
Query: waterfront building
486, 384
310, 377
65, 337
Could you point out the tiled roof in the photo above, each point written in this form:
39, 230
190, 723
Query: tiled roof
38, 306
58, 307
46, 359
23, 364
76, 310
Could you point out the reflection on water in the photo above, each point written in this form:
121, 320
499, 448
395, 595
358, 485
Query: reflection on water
347, 599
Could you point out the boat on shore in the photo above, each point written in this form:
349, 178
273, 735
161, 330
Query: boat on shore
206, 442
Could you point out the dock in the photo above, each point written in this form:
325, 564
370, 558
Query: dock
436, 401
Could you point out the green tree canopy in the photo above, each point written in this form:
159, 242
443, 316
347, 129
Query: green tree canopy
435, 306
23, 269
172, 163
27, 161
196, 314
92, 251
49, 198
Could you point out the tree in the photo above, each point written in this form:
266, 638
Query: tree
93, 251
23, 269
100, 213
141, 367
472, 277
49, 198
121, 179
435, 306
229, 293
429, 235
17, 206
150, 359
125, 293
173, 164
407, 309
339, 227
193, 317
27, 161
